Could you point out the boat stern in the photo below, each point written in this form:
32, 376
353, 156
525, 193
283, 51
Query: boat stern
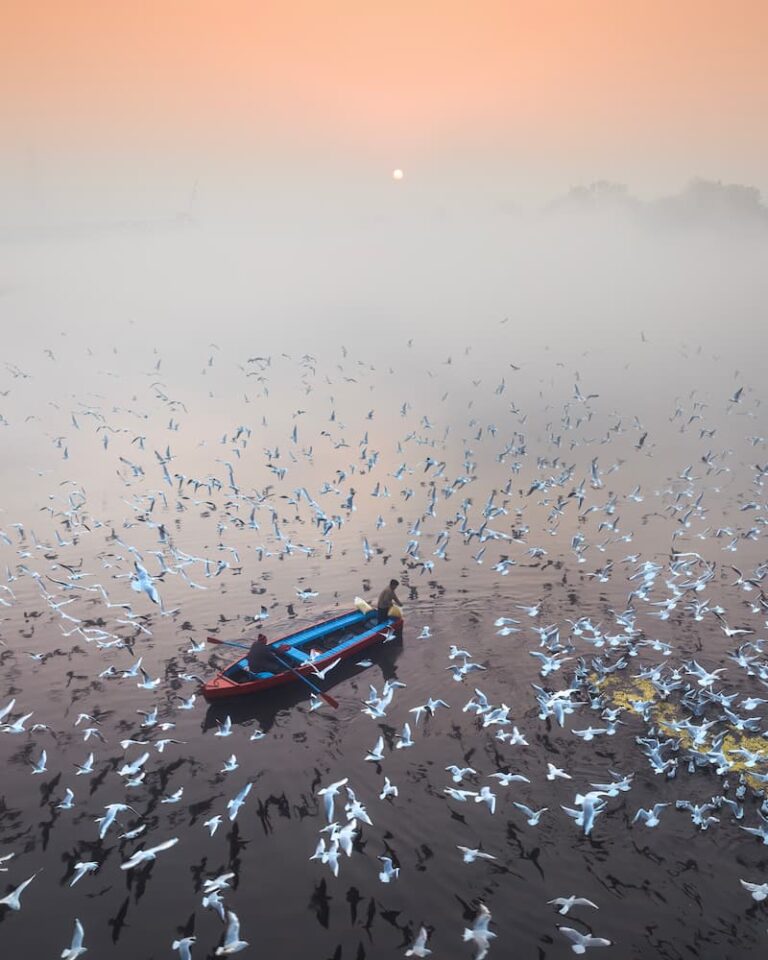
219, 687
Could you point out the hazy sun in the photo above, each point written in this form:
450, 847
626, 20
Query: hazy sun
397, 174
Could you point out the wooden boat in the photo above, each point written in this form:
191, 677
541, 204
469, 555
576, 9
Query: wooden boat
311, 648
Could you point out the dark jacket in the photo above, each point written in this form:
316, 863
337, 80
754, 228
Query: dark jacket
261, 659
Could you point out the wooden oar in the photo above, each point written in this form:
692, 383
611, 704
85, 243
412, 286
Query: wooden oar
242, 646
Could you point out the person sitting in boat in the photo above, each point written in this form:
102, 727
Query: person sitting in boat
261, 657
386, 598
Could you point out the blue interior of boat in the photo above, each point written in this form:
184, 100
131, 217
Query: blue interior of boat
314, 633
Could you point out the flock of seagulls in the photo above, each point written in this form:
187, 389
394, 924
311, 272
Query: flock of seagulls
673, 665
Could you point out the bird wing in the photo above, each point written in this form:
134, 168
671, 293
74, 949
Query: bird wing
165, 845
243, 793
23, 886
77, 938
135, 860
233, 929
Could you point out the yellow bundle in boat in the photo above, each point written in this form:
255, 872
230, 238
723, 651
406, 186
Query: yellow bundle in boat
395, 611
362, 605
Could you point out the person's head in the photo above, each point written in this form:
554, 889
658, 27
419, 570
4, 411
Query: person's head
261, 638
394, 584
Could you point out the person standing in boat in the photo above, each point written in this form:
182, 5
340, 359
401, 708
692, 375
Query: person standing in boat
261, 658
386, 598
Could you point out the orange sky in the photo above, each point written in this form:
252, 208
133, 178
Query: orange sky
608, 82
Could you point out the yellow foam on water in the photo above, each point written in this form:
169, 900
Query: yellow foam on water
622, 692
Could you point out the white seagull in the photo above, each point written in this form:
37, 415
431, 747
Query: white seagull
13, 899
81, 869
141, 855
480, 933
232, 942
235, 803
419, 946
76, 948
184, 947
565, 903
580, 941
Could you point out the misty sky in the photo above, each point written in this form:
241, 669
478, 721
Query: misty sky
187, 171
151, 108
